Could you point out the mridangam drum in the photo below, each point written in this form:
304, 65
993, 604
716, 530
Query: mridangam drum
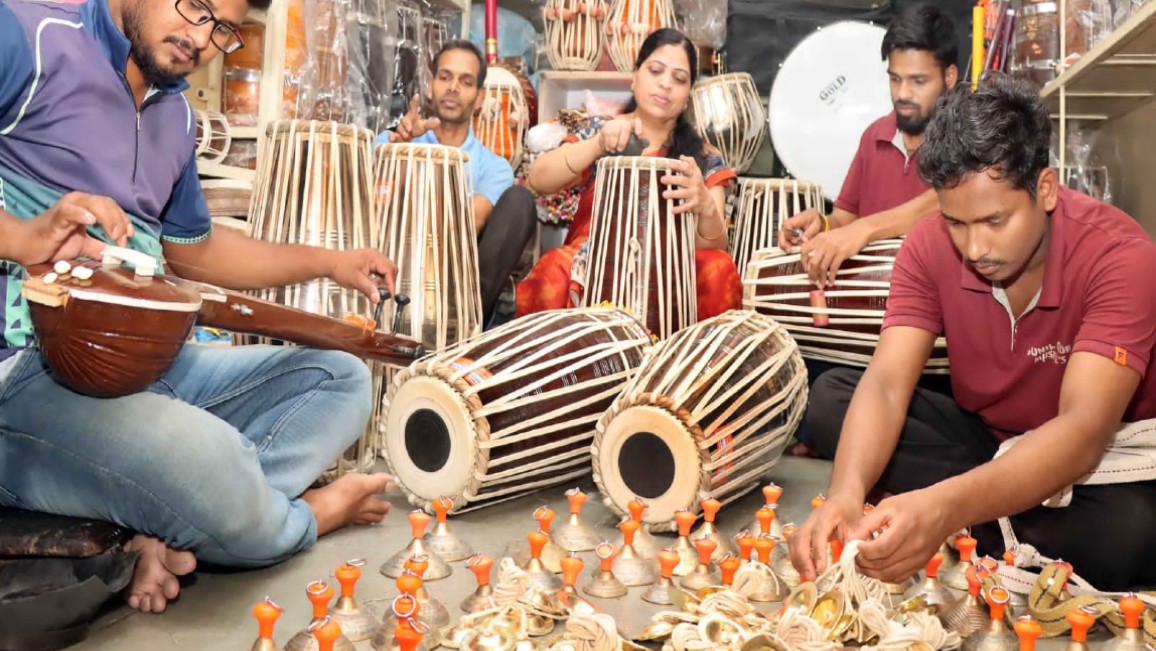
760, 208
574, 33
729, 113
510, 411
313, 188
840, 324
641, 252
628, 24
709, 413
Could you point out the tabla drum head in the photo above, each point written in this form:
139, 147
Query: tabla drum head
429, 420
831, 87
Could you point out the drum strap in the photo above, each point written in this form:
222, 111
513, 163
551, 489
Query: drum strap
1130, 458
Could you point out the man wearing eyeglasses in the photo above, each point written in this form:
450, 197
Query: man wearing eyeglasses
213, 463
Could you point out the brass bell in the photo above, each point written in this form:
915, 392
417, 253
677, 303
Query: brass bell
930, 587
552, 553
1132, 637
434, 613
996, 636
1028, 630
771, 587
1080, 619
605, 585
574, 535
441, 541
536, 571
326, 633
723, 544
645, 545
483, 596
404, 614
409, 585
355, 623
319, 594
969, 613
705, 574
956, 578
629, 566
781, 562
687, 555
771, 495
659, 593
395, 566
266, 613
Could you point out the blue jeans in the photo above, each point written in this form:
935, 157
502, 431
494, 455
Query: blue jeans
212, 458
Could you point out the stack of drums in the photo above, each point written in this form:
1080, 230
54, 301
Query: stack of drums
642, 254
629, 23
510, 411
708, 414
313, 188
760, 208
840, 324
729, 114
574, 33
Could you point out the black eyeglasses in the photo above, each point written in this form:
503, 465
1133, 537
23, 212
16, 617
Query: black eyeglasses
224, 36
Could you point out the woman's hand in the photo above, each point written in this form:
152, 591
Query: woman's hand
616, 133
686, 183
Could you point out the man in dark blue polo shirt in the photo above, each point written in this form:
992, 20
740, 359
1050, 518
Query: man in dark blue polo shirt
215, 461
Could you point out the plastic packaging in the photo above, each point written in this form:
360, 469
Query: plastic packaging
1036, 50
704, 21
1085, 165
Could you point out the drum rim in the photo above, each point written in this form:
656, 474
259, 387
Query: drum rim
278, 128
435, 150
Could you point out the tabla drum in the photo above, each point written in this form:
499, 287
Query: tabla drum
213, 137
840, 324
709, 413
313, 188
422, 201
574, 33
628, 24
511, 410
501, 122
729, 114
760, 208
641, 255
830, 88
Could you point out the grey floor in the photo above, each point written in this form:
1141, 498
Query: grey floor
213, 614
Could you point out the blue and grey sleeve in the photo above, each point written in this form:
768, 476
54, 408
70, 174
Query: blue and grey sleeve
185, 219
17, 66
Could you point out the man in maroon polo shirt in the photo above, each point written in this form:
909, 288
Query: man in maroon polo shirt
883, 195
1048, 300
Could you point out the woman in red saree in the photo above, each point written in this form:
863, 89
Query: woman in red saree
665, 70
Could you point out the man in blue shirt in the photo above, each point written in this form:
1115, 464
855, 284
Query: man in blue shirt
503, 213
215, 461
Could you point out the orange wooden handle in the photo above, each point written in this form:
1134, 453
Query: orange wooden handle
442, 506
571, 568
1080, 620
765, 516
629, 528
764, 545
685, 520
836, 550
347, 575
327, 635
789, 530
577, 499
1009, 557
818, 501
481, 566
746, 546
997, 599
973, 582
409, 583
267, 614
966, 547
418, 521
1028, 630
636, 507
407, 638
772, 493
538, 542
1132, 608
418, 565
667, 561
606, 553
705, 547
728, 565
933, 565
710, 509
545, 517
319, 594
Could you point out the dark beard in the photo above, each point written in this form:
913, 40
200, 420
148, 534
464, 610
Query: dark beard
912, 125
154, 74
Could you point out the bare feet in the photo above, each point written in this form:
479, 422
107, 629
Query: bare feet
349, 500
802, 450
154, 581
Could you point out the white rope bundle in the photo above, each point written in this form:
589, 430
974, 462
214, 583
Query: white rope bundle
751, 579
512, 583
895, 636
589, 633
845, 577
801, 633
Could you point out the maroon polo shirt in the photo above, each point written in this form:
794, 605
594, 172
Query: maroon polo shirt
1098, 295
882, 175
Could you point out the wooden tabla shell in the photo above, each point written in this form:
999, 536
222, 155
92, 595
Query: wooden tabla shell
709, 413
574, 33
213, 136
729, 113
511, 410
840, 324
501, 122
641, 253
629, 23
760, 208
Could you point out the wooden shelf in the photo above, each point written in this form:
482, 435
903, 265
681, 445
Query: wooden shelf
1114, 78
217, 170
244, 133
559, 89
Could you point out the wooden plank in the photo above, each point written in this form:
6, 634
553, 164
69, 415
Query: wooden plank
217, 170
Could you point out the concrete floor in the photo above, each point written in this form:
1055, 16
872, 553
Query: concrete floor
213, 613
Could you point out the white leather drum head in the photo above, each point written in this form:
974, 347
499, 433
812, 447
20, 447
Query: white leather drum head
430, 441
831, 87
646, 452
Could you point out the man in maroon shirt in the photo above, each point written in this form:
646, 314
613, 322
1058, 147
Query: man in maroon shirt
1048, 301
882, 195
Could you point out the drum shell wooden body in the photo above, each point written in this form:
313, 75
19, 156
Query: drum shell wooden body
511, 410
776, 284
628, 24
501, 122
213, 136
574, 33
642, 254
709, 413
729, 113
760, 208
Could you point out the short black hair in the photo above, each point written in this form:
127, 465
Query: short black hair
462, 44
923, 26
1002, 126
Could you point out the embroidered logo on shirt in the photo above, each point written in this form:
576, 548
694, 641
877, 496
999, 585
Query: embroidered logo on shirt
1057, 352
1121, 356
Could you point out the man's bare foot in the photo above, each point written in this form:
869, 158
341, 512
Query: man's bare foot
803, 450
349, 500
154, 580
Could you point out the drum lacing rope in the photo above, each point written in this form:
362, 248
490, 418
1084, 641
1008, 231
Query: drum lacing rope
594, 632
895, 636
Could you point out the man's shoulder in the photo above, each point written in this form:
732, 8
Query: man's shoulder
31, 12
487, 161
1104, 234
881, 129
